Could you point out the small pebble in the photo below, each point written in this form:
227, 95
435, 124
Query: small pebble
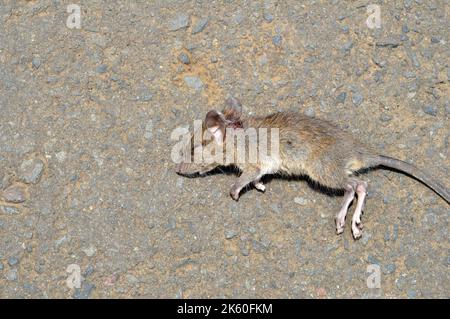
385, 117
14, 194
268, 17
31, 170
389, 269
181, 21
387, 235
347, 46
409, 75
435, 40
200, 25
89, 270
245, 251
395, 232
365, 238
413, 57
132, 280
101, 69
372, 259
36, 62
61, 156
357, 98
310, 112
430, 110
184, 58
276, 40
171, 223
341, 97
412, 294
388, 43
13, 261
193, 82
90, 251
276, 207
300, 200
229, 234
9, 210
11, 275
148, 130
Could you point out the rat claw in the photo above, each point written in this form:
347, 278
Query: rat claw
356, 231
339, 225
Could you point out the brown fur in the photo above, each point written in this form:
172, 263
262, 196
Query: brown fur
314, 147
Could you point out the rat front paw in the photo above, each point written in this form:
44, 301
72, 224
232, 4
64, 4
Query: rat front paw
234, 193
260, 186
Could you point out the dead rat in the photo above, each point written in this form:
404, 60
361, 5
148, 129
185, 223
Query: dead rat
306, 146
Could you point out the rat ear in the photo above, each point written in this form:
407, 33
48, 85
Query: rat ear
233, 109
215, 123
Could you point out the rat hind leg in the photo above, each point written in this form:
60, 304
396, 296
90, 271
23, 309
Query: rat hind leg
361, 192
340, 217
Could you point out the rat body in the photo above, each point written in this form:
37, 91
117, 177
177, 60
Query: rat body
307, 146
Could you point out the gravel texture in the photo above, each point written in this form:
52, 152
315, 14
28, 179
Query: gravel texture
86, 176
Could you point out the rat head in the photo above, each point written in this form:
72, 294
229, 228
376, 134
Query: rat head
204, 149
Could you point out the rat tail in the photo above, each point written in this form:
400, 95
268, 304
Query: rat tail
412, 170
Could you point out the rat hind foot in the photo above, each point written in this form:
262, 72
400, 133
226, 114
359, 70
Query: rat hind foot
340, 217
361, 191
